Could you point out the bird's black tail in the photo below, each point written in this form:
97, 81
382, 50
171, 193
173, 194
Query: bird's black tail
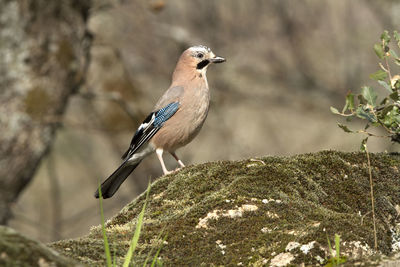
112, 183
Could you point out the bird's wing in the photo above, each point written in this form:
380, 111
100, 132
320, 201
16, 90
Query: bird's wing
150, 127
173, 94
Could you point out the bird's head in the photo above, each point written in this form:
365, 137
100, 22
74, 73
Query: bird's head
198, 58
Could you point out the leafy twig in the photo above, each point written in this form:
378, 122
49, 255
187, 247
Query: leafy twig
386, 113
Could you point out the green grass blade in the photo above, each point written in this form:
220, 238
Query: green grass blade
103, 228
135, 238
158, 251
329, 246
114, 256
337, 247
151, 250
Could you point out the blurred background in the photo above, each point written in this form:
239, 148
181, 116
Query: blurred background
287, 63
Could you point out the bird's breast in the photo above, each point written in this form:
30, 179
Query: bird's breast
186, 123
195, 107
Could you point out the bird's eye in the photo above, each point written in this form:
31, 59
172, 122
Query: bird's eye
200, 55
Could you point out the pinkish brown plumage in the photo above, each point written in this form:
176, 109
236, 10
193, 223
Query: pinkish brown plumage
176, 118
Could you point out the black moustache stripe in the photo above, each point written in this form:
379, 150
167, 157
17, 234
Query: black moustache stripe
202, 64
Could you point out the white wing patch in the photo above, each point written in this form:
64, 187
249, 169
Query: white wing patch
145, 124
139, 155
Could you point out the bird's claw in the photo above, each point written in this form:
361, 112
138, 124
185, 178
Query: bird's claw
177, 169
171, 172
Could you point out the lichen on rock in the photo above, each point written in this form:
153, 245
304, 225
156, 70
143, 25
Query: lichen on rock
301, 200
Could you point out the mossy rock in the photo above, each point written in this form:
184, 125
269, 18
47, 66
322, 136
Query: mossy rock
265, 211
17, 250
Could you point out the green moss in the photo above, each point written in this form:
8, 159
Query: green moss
17, 250
37, 103
302, 198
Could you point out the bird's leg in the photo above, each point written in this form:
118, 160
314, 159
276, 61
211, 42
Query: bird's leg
177, 159
159, 152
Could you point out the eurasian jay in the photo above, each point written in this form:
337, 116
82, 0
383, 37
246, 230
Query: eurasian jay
175, 120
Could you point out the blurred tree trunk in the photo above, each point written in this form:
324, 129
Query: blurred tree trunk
44, 53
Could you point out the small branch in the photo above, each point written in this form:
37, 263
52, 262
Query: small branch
388, 68
386, 128
381, 123
383, 68
363, 216
374, 135
372, 198
347, 115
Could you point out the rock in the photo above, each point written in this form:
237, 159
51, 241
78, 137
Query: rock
269, 211
17, 250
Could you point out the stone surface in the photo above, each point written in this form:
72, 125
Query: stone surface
17, 250
274, 211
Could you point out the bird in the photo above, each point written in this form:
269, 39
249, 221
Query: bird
174, 121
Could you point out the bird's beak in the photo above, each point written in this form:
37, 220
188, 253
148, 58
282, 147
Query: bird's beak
217, 59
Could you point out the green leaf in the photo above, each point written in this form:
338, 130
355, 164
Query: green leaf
335, 111
361, 113
379, 75
388, 121
384, 101
396, 37
394, 96
397, 119
387, 109
396, 84
369, 94
386, 85
345, 128
391, 116
393, 53
349, 102
385, 37
361, 99
379, 50
397, 61
363, 146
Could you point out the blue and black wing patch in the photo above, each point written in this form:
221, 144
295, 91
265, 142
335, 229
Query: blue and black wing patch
162, 115
150, 127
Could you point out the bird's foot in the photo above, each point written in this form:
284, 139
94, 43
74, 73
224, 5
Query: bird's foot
177, 169
166, 172
170, 172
